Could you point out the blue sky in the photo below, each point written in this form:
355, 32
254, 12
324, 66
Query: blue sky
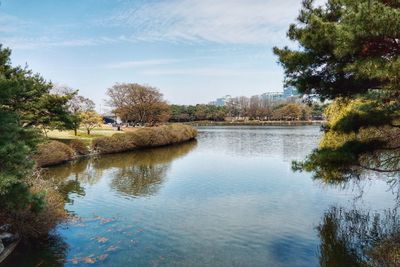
192, 50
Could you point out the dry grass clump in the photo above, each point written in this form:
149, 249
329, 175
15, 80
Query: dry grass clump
52, 153
53, 212
144, 137
79, 147
29, 223
387, 251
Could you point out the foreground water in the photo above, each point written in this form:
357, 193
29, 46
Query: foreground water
229, 199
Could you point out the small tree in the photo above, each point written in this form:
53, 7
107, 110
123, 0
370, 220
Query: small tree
79, 104
51, 113
289, 112
305, 112
76, 104
90, 120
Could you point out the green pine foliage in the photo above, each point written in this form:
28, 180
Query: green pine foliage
26, 106
16, 142
350, 53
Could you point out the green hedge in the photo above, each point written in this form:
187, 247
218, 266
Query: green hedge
144, 137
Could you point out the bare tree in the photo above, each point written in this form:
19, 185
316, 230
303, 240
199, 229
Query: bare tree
77, 105
138, 103
254, 111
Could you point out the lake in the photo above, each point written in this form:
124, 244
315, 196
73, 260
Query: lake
228, 199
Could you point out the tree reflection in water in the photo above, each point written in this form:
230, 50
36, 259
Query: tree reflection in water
138, 173
359, 238
356, 237
141, 173
49, 252
69, 177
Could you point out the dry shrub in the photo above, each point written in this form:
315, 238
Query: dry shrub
30, 224
116, 143
145, 137
79, 147
53, 153
53, 212
387, 251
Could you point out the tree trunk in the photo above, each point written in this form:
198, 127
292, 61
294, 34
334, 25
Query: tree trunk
45, 132
75, 131
88, 131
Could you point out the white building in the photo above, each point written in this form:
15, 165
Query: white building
220, 102
273, 96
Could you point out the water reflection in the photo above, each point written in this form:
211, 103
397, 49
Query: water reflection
142, 173
81, 170
232, 201
69, 178
138, 173
50, 252
359, 238
285, 142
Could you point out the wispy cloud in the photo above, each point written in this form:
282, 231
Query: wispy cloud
218, 21
221, 21
35, 43
10, 24
140, 63
210, 71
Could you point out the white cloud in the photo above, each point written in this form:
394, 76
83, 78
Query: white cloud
221, 21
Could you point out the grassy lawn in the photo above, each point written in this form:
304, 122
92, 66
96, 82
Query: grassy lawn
82, 134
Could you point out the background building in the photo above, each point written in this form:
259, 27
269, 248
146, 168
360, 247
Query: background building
290, 91
220, 102
273, 96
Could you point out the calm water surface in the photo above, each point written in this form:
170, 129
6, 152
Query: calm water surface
228, 199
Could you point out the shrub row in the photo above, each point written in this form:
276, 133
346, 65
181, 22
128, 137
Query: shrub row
55, 152
52, 153
144, 137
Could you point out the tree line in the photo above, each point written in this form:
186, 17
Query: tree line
260, 108
143, 104
235, 111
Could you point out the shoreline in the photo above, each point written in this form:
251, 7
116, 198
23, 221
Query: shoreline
144, 138
96, 154
253, 123
93, 151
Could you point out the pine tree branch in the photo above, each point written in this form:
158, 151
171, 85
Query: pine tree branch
377, 169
